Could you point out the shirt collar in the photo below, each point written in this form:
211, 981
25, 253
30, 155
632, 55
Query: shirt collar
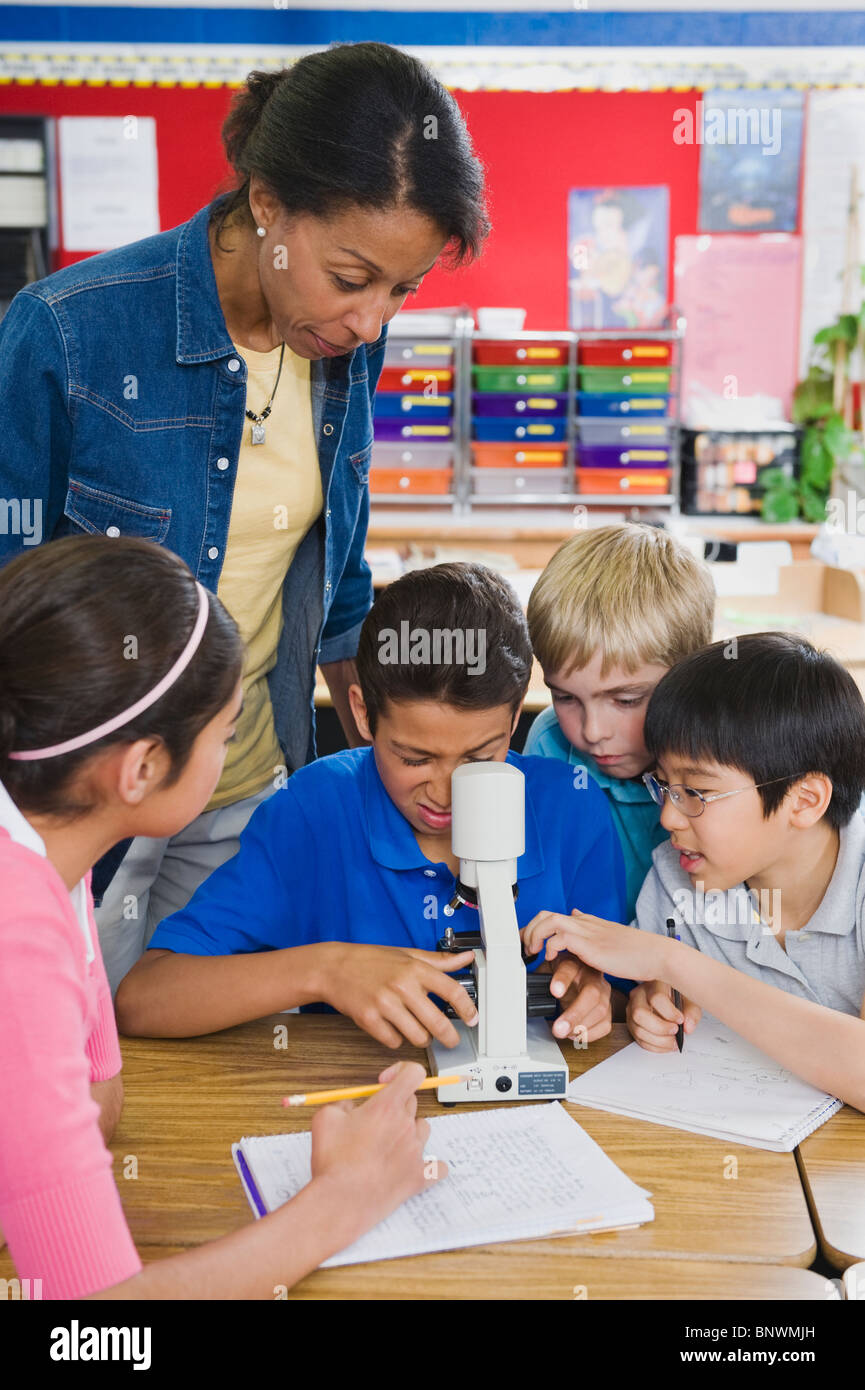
19, 829
836, 911
730, 913
392, 841
632, 789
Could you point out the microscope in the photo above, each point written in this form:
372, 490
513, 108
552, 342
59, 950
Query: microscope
506, 1055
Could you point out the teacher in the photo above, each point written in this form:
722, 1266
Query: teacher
211, 388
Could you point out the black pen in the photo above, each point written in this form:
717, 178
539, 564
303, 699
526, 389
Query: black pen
677, 998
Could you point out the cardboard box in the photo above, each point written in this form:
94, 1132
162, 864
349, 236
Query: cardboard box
826, 605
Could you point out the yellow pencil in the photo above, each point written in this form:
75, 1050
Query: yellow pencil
353, 1092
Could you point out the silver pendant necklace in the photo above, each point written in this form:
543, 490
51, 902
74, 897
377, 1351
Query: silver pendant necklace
258, 420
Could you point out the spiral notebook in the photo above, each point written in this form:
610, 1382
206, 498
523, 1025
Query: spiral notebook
517, 1173
719, 1085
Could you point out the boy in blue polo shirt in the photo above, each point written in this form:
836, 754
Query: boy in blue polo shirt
341, 886
614, 609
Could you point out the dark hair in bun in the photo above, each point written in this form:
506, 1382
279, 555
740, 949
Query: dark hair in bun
360, 124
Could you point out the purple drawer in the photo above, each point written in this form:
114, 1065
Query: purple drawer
393, 431
488, 403
636, 455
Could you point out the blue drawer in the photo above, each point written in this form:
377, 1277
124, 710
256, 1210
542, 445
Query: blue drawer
497, 431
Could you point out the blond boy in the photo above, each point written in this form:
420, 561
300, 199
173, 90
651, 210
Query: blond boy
614, 609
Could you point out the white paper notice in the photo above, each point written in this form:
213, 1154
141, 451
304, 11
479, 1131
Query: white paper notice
835, 142
108, 181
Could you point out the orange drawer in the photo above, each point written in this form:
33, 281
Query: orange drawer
411, 480
415, 379
507, 354
519, 456
635, 480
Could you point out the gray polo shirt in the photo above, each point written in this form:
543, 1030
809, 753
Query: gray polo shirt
823, 961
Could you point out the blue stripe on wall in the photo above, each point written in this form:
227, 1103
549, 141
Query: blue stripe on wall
110, 24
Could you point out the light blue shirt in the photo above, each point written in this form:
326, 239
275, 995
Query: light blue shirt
636, 816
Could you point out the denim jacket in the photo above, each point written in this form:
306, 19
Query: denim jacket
121, 411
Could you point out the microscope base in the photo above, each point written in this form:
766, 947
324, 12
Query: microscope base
541, 1073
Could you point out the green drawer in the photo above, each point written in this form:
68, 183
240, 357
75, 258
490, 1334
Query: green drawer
518, 378
637, 380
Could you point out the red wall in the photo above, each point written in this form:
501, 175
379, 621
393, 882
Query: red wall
535, 146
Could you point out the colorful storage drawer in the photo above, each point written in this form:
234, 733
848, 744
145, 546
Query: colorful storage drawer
511, 456
416, 456
614, 456
506, 483
625, 351
415, 480
489, 403
415, 379
388, 431
534, 431
516, 379
638, 380
503, 354
400, 352
613, 480
590, 403
615, 431
390, 405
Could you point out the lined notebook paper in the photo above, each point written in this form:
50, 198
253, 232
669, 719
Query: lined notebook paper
720, 1085
518, 1173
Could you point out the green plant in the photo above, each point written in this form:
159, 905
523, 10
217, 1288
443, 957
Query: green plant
826, 440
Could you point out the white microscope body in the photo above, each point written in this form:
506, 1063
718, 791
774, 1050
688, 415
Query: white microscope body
505, 1056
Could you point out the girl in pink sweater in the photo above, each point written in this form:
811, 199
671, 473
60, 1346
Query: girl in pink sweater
119, 691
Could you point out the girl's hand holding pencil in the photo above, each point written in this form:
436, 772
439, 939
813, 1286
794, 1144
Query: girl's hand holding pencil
371, 1156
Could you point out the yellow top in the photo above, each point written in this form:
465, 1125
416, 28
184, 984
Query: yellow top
277, 497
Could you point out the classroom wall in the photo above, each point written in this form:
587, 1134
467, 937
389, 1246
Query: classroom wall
535, 146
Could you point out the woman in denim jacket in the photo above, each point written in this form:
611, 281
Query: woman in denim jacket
211, 389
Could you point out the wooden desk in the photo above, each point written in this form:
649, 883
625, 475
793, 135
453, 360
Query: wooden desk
832, 1165
541, 1270
186, 1102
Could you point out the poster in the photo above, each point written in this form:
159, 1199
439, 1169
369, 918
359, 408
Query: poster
617, 257
751, 149
740, 298
108, 181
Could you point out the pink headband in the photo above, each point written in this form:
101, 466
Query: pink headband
144, 703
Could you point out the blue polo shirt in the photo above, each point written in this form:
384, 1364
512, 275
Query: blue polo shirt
330, 858
636, 816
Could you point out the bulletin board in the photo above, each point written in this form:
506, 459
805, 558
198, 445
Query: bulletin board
536, 146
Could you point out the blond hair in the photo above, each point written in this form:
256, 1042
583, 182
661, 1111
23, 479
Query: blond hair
629, 591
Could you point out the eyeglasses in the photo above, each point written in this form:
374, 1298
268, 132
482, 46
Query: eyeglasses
693, 803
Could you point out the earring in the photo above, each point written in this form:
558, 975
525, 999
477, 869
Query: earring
261, 231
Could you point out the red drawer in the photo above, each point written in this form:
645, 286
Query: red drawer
623, 480
415, 379
623, 352
425, 480
516, 354
519, 456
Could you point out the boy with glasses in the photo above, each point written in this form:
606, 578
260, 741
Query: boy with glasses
759, 766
